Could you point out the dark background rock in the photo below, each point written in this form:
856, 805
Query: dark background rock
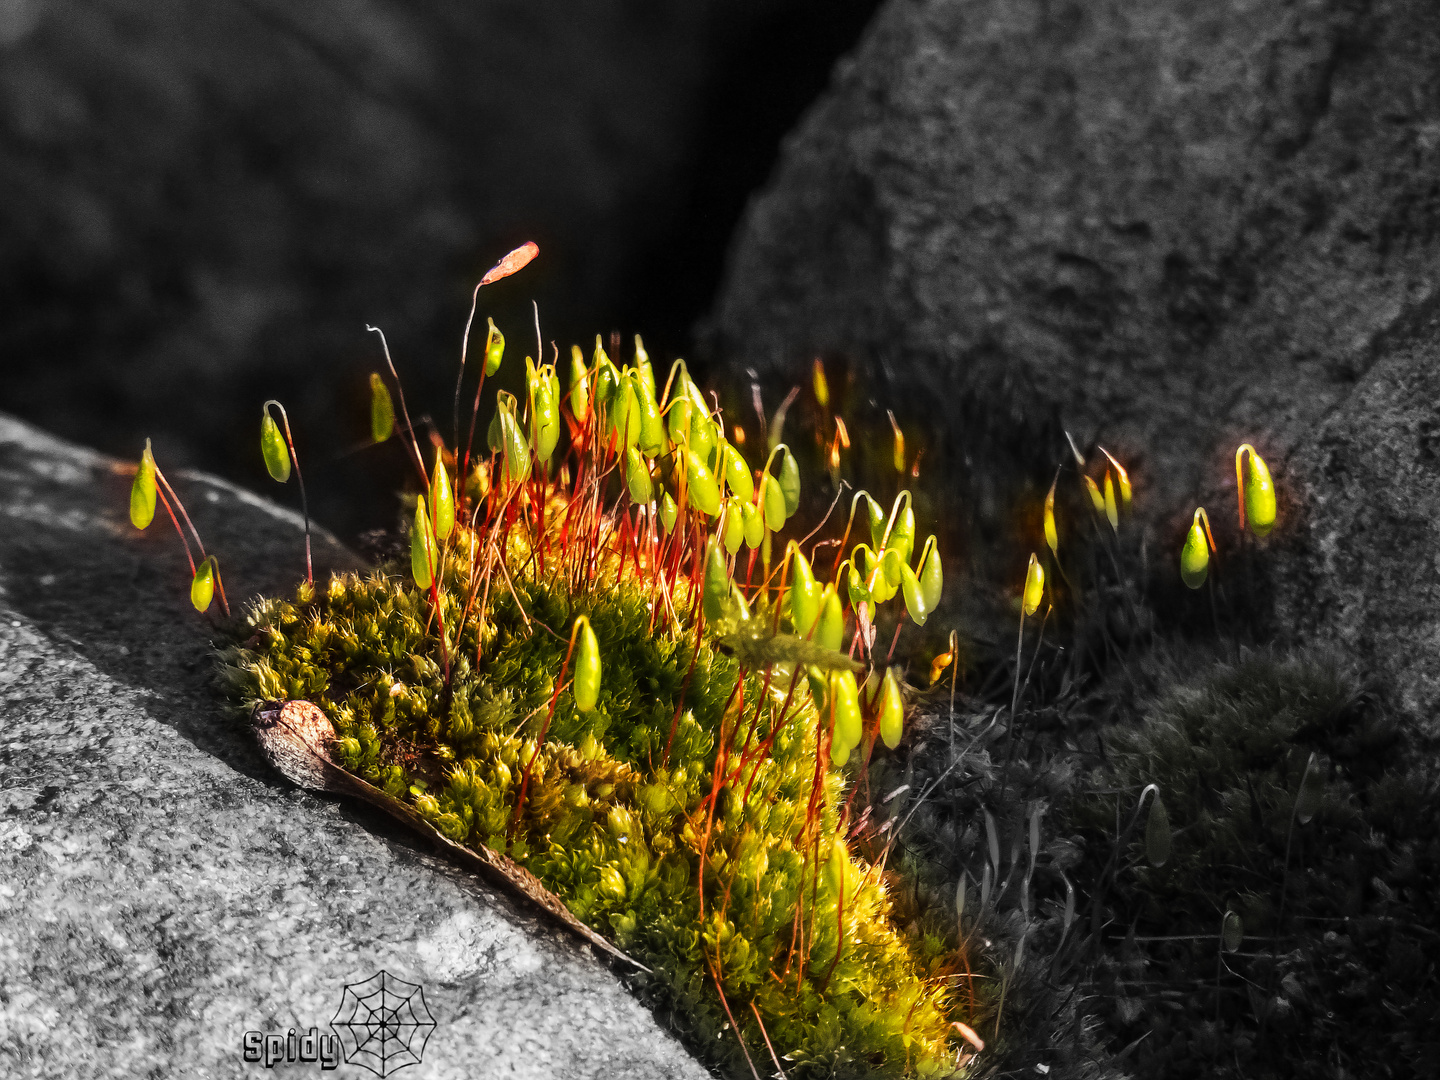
1169, 227
162, 890
205, 203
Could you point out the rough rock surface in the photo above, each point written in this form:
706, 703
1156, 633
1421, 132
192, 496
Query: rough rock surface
162, 891
1170, 227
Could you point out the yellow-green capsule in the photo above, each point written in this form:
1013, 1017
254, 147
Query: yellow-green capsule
1034, 585
890, 564
422, 547
668, 512
202, 586
892, 711
845, 697
703, 436
652, 430
586, 689
754, 525
734, 525
932, 575
625, 414
516, 451
902, 534
804, 593
830, 630
579, 385
737, 474
772, 502
790, 483
142, 491
1052, 538
1195, 555
543, 391
677, 419
273, 449
494, 349
1257, 493
637, 477
1096, 499
1157, 833
914, 595
441, 497
607, 379
704, 492
717, 582
1112, 513
382, 409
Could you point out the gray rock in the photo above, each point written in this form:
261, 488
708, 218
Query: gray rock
1169, 227
161, 891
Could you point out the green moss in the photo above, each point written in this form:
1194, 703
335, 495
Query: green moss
611, 823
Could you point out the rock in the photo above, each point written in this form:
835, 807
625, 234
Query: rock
162, 892
1168, 227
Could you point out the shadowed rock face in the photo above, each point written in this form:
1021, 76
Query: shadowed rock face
1170, 227
162, 891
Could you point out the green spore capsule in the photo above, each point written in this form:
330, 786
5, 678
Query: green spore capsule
737, 473
516, 452
845, 694
734, 525
586, 688
892, 711
772, 503
717, 582
272, 448
902, 533
422, 547
677, 418
1034, 585
626, 414
1195, 555
932, 575
142, 491
754, 525
441, 497
704, 492
652, 429
668, 512
1257, 492
914, 596
382, 410
544, 394
643, 368
804, 593
637, 477
202, 585
494, 348
703, 437
790, 484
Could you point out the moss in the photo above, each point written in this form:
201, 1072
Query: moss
610, 822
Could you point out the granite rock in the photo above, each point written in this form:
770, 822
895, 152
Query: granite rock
162, 892
1167, 227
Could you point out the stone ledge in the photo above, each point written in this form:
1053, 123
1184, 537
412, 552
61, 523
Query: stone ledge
161, 891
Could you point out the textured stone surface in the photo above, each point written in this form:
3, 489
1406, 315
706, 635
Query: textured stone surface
1170, 227
161, 892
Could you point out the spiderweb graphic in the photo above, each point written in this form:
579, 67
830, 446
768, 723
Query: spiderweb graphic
383, 1023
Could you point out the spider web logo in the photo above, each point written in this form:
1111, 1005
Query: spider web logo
383, 1023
